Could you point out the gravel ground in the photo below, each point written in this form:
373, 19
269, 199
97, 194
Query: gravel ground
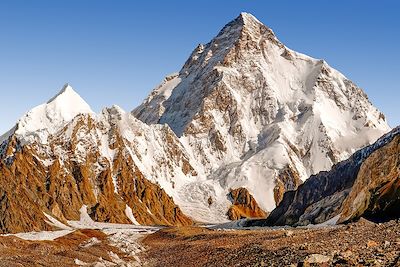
358, 244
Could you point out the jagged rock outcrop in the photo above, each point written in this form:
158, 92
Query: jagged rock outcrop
243, 205
253, 113
367, 184
288, 180
376, 192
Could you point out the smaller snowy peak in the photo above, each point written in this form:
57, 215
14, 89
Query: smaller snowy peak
67, 89
48, 118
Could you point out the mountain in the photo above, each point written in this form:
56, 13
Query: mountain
254, 114
365, 185
244, 121
61, 156
46, 119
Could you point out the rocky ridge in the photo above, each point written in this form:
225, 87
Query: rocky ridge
100, 161
365, 185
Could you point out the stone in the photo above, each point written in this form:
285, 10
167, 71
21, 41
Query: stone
317, 259
371, 244
304, 246
289, 233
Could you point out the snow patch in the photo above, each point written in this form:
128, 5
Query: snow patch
41, 236
129, 214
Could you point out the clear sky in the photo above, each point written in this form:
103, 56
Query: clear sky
115, 52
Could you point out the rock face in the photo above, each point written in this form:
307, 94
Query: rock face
243, 205
376, 192
367, 184
101, 161
253, 113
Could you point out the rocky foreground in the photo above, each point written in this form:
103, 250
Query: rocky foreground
358, 244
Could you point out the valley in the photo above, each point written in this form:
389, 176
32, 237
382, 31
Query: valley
362, 243
252, 154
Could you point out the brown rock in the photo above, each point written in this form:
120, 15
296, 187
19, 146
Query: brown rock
317, 260
29, 188
376, 191
288, 179
371, 244
243, 205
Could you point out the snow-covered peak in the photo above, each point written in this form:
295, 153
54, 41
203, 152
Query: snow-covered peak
248, 18
256, 114
244, 20
245, 23
48, 118
66, 90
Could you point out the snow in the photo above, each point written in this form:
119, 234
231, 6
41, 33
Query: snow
292, 111
46, 235
128, 242
5, 136
48, 118
41, 236
117, 232
124, 236
162, 92
86, 222
249, 18
56, 223
129, 214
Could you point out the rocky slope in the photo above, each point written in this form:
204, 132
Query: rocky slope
111, 162
356, 244
253, 113
367, 184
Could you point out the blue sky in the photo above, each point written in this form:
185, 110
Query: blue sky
115, 52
